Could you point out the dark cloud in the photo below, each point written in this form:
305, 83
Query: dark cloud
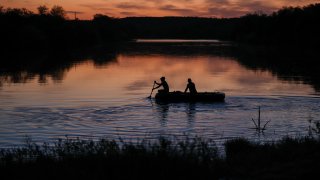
130, 6
217, 2
168, 7
126, 13
258, 6
97, 6
78, 12
180, 11
227, 8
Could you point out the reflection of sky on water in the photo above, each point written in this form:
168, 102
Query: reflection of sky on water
110, 101
133, 76
137, 73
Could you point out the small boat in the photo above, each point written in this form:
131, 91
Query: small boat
178, 96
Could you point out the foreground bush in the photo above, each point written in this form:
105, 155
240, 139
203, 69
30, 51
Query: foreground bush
164, 158
72, 159
285, 159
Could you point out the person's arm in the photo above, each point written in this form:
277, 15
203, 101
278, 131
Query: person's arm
186, 88
159, 85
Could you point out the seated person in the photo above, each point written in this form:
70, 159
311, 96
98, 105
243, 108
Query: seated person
164, 84
191, 86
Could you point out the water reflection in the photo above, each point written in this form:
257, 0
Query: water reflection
173, 59
188, 115
22, 68
102, 92
293, 65
127, 72
163, 110
191, 111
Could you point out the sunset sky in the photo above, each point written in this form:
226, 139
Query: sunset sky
124, 8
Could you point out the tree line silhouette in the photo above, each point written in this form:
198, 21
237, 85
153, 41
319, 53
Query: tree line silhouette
49, 28
22, 29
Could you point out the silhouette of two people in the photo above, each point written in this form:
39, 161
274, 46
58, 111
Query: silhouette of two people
191, 86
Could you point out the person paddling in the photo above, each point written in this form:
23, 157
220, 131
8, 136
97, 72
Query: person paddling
164, 84
191, 86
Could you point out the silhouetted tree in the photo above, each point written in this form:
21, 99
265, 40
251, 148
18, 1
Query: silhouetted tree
16, 12
43, 10
58, 11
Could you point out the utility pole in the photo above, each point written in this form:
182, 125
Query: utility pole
75, 14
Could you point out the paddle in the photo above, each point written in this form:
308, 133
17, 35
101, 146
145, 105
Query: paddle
152, 90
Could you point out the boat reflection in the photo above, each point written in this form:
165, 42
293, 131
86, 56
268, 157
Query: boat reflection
191, 112
163, 111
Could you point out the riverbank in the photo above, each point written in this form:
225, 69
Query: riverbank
294, 27
289, 158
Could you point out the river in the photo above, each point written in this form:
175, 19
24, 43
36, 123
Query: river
105, 95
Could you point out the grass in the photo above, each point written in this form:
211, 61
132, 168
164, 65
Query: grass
164, 158
288, 158
110, 159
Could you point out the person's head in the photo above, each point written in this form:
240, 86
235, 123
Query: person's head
162, 78
189, 80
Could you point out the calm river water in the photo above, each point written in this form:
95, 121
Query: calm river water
104, 95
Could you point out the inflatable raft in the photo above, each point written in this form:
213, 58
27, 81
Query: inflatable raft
178, 96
